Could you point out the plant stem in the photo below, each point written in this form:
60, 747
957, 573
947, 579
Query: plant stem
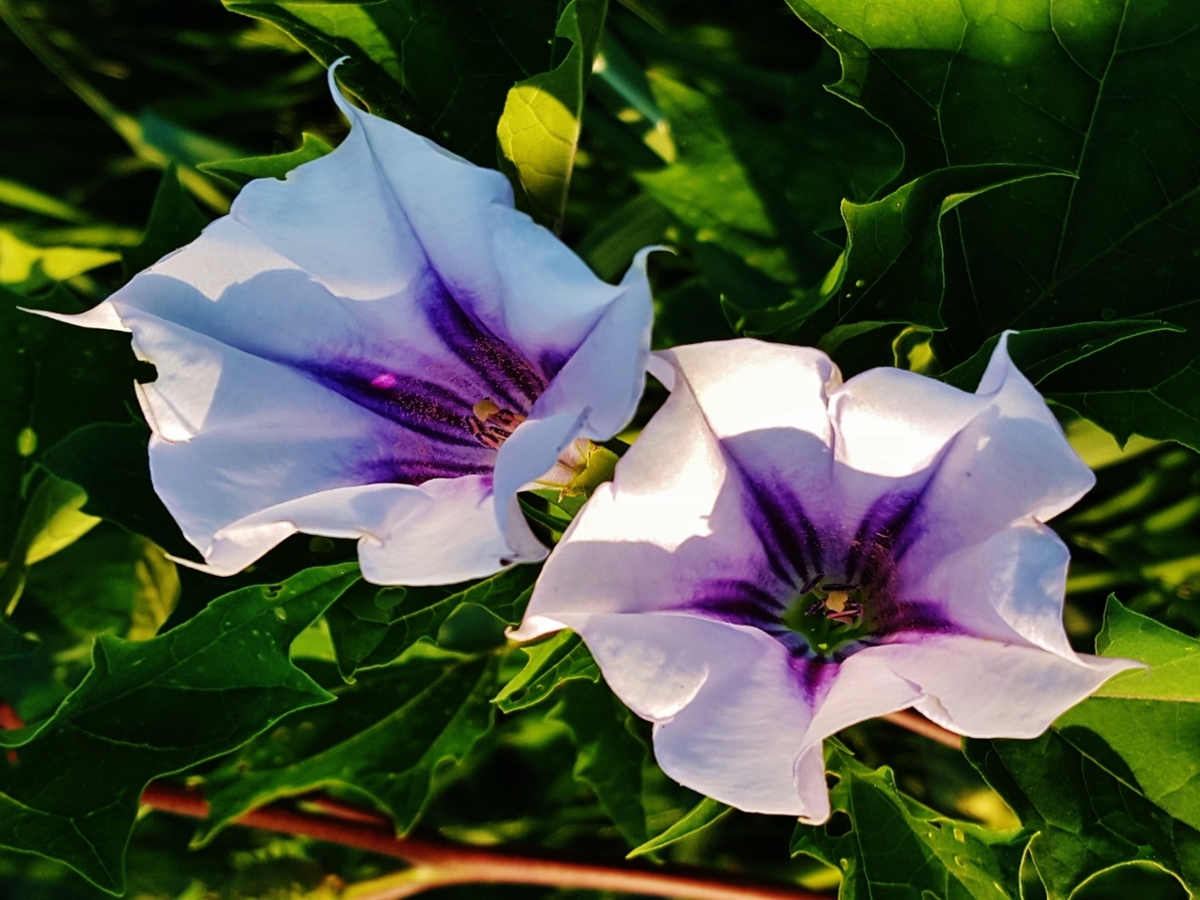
438, 863
917, 723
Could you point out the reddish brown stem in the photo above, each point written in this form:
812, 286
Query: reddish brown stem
439, 863
917, 723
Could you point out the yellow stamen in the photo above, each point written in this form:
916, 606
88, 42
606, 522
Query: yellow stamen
485, 409
836, 601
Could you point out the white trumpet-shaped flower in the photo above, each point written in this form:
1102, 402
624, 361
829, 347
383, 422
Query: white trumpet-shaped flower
380, 347
782, 555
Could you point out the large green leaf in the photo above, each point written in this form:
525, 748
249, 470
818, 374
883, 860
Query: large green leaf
892, 271
371, 626
1142, 726
543, 115
383, 740
1086, 821
1040, 352
152, 708
1104, 90
443, 70
894, 847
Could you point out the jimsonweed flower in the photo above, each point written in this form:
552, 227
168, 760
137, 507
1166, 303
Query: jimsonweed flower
782, 555
379, 347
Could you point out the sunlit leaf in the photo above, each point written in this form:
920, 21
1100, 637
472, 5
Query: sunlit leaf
543, 115
884, 841
1104, 90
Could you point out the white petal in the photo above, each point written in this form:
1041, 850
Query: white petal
1009, 588
1009, 463
987, 689
894, 423
671, 521
767, 403
719, 695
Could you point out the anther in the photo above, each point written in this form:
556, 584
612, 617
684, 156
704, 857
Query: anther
841, 587
811, 583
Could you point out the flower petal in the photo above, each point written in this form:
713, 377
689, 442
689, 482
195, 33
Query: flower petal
986, 689
670, 522
1009, 588
1009, 463
718, 694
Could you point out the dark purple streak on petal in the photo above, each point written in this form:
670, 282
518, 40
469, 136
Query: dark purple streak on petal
413, 471
813, 674
418, 405
883, 536
790, 540
510, 379
736, 601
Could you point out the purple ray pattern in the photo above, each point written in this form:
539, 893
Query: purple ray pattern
799, 558
437, 408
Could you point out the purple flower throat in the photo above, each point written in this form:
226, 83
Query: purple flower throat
453, 404
821, 593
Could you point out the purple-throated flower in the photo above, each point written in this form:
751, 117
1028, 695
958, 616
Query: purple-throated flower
380, 347
782, 555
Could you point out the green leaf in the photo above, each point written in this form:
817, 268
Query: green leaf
46, 367
1040, 352
893, 846
444, 70
892, 270
52, 520
383, 740
699, 817
243, 171
610, 756
174, 221
28, 268
13, 644
371, 626
550, 662
111, 462
110, 582
21, 196
750, 197
539, 129
1085, 820
1141, 726
152, 708
1103, 90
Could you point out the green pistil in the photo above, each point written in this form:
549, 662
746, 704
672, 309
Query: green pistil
828, 620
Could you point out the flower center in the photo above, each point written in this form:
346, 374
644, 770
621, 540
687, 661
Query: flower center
492, 424
829, 614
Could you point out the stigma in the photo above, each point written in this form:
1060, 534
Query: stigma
491, 424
